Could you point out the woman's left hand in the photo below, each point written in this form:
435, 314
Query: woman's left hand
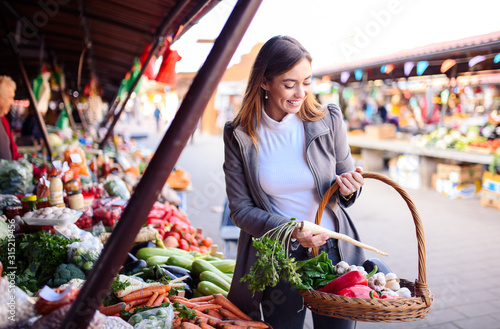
350, 182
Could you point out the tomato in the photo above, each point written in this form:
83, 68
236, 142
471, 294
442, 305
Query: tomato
207, 242
176, 235
183, 244
194, 248
203, 249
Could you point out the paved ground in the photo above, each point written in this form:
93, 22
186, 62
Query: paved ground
462, 238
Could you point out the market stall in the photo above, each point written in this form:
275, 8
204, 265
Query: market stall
85, 216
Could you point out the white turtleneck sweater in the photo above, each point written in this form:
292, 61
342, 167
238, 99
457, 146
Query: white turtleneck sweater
284, 173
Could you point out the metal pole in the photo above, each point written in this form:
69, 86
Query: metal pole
149, 187
27, 82
167, 22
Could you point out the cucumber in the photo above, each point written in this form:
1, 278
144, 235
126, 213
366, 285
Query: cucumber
180, 261
157, 260
201, 265
207, 288
225, 265
214, 278
145, 253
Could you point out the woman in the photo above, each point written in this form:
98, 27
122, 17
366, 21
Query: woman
282, 152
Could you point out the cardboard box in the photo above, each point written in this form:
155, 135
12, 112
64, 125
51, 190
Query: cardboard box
490, 199
381, 131
460, 174
458, 191
404, 170
491, 182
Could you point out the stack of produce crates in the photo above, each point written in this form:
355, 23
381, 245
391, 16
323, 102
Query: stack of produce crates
459, 181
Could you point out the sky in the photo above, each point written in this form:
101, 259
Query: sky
340, 31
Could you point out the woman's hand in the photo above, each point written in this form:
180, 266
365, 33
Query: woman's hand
350, 182
307, 240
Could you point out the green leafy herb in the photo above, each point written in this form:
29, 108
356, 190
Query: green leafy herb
273, 260
118, 285
37, 256
184, 311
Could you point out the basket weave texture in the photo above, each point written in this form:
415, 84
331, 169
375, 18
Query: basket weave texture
376, 310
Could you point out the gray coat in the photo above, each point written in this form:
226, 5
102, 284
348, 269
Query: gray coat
250, 209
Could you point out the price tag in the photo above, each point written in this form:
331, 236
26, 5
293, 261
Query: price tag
76, 158
52, 296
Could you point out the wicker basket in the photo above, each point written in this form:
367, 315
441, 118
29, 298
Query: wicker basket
376, 310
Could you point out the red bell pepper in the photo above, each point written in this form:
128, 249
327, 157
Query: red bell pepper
346, 280
359, 291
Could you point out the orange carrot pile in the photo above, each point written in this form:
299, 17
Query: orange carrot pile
214, 312
149, 296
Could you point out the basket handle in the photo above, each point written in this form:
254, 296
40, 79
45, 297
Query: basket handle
422, 271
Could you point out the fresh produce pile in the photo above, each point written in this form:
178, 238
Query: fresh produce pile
175, 229
445, 138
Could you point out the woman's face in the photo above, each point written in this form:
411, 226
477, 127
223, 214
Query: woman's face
286, 92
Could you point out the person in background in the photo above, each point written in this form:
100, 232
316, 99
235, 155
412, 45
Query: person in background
282, 153
8, 147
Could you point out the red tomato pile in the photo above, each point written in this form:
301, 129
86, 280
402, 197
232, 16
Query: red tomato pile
171, 222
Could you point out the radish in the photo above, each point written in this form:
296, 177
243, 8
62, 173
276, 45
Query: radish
316, 229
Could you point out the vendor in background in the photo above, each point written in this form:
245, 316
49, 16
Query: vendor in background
8, 147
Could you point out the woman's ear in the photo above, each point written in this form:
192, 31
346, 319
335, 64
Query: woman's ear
264, 84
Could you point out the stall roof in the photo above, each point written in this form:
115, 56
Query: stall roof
103, 36
461, 50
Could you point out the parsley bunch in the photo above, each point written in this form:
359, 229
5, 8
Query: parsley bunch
273, 260
37, 256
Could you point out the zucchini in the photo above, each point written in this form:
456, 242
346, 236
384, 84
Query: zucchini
145, 253
225, 265
215, 279
207, 288
201, 265
157, 260
180, 261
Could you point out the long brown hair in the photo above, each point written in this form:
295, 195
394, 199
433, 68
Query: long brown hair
277, 56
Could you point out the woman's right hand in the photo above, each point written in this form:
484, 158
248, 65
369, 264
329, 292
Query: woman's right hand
307, 240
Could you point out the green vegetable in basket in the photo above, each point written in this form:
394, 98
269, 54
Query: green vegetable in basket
273, 258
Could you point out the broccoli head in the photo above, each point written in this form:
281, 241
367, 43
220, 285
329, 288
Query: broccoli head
64, 273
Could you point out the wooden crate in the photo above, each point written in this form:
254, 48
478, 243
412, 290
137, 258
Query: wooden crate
491, 182
490, 199
460, 173
381, 131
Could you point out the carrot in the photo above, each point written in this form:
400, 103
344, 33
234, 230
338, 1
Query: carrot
206, 326
232, 326
226, 314
178, 298
214, 313
189, 325
112, 309
188, 304
246, 323
158, 301
228, 305
152, 299
316, 229
204, 307
139, 301
142, 293
202, 299
164, 286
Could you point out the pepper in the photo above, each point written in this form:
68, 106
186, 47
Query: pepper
344, 281
359, 291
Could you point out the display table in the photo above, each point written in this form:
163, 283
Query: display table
372, 153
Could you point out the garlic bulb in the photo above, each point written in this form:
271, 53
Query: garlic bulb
392, 281
377, 281
341, 267
404, 292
